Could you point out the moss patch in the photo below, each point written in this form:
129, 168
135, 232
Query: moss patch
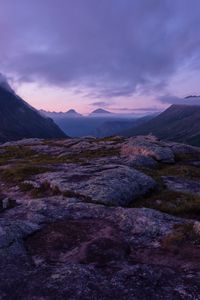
179, 170
182, 233
175, 203
15, 153
18, 173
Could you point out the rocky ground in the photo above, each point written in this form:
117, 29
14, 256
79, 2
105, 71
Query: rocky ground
99, 219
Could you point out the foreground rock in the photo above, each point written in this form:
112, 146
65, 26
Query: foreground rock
57, 240
54, 248
150, 147
110, 184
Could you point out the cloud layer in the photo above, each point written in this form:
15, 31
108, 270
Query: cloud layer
114, 48
190, 100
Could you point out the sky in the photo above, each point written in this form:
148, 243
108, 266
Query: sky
121, 55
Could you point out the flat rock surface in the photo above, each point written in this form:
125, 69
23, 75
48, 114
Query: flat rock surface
107, 184
76, 220
182, 185
73, 249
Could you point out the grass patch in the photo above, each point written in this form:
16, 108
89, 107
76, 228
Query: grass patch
184, 171
175, 203
44, 190
182, 233
80, 157
18, 173
27, 155
92, 154
114, 139
14, 153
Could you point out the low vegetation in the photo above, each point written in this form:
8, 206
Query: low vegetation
182, 233
180, 170
180, 204
18, 173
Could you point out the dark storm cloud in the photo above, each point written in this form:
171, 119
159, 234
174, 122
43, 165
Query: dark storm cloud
113, 47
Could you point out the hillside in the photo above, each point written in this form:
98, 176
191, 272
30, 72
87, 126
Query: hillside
180, 123
19, 120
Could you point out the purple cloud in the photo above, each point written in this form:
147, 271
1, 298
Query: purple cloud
114, 48
100, 104
190, 100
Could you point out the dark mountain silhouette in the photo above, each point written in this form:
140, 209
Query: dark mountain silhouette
73, 112
180, 123
19, 120
100, 112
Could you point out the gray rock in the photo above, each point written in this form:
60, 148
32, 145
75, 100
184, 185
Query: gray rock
23, 142
182, 185
65, 245
183, 151
149, 147
88, 251
110, 185
141, 161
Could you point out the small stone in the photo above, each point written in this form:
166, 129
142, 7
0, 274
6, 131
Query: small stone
196, 228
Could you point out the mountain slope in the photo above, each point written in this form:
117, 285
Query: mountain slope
180, 123
19, 120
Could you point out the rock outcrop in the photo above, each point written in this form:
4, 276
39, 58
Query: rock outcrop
108, 184
148, 146
98, 219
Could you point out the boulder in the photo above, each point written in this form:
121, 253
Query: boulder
183, 151
113, 185
149, 147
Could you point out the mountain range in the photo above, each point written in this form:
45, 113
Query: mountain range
19, 120
99, 123
71, 113
180, 123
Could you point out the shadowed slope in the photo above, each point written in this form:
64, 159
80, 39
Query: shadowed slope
180, 123
19, 120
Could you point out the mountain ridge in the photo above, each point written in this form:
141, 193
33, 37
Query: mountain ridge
20, 120
180, 123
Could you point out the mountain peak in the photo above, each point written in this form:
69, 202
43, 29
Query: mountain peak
100, 111
72, 111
